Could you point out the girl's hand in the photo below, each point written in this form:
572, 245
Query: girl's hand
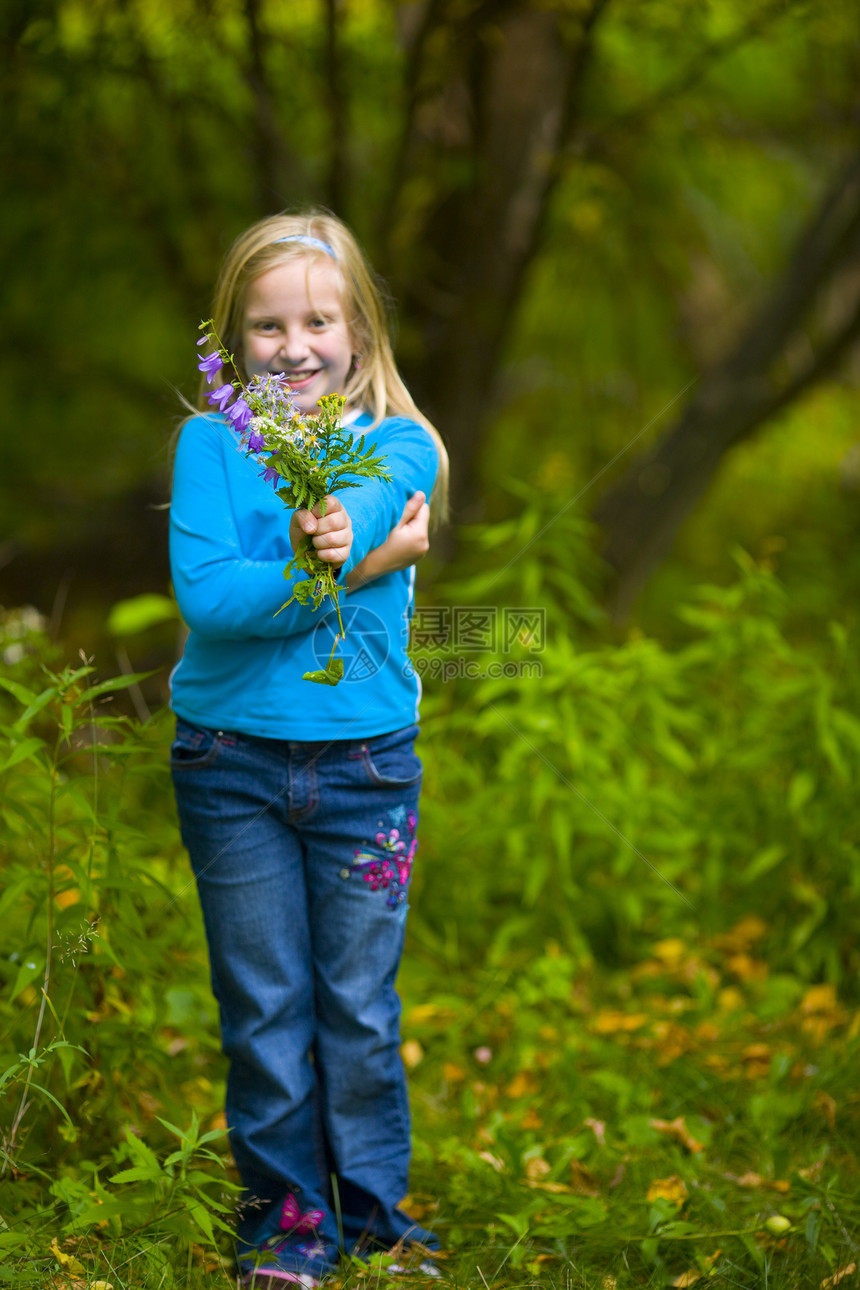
331, 533
406, 543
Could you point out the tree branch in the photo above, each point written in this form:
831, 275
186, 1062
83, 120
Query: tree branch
642, 513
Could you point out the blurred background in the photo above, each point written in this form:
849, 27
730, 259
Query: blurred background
621, 244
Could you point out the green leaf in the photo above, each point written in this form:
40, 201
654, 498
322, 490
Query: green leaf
39, 702
115, 683
331, 675
763, 861
800, 791
21, 693
138, 1173
128, 617
23, 752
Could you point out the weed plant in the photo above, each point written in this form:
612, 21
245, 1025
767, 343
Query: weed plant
630, 989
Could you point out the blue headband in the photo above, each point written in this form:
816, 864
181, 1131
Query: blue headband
315, 242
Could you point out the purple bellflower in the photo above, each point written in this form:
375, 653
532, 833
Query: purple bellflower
221, 397
240, 415
256, 442
269, 475
211, 365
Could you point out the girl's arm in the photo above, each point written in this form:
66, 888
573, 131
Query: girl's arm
376, 507
405, 545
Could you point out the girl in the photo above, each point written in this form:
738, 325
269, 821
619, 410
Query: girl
298, 803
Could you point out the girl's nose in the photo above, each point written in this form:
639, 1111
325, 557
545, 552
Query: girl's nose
294, 346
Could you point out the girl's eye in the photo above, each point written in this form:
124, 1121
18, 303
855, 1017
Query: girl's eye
319, 322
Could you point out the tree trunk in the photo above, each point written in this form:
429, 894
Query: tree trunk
489, 115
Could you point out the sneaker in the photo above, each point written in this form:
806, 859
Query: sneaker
291, 1262
301, 1257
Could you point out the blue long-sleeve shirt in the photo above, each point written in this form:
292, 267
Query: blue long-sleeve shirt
229, 542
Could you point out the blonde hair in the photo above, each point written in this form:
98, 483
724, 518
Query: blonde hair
375, 385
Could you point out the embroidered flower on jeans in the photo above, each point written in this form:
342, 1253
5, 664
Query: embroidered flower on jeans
391, 869
293, 1220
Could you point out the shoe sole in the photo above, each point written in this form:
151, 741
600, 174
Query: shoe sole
272, 1279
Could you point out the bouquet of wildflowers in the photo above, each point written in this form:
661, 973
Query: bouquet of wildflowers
306, 457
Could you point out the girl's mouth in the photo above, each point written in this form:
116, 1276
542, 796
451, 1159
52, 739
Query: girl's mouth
297, 380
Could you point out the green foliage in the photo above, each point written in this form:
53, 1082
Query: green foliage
96, 1034
646, 789
630, 1013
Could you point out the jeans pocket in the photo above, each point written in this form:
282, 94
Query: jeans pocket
391, 760
194, 747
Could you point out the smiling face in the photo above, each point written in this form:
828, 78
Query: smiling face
294, 325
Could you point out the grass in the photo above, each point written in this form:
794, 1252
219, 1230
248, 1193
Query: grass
579, 1128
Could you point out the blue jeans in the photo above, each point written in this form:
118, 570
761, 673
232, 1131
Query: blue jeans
303, 854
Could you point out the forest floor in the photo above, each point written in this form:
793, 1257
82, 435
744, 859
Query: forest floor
691, 1122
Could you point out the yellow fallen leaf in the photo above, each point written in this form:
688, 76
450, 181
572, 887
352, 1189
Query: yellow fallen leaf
67, 1261
746, 968
688, 1278
610, 1021
750, 928
673, 1189
757, 1059
537, 1168
819, 998
418, 1209
521, 1085
708, 1032
670, 951
426, 1012
100, 1285
531, 1120
840, 1275
678, 1130
671, 1041
453, 1073
412, 1053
